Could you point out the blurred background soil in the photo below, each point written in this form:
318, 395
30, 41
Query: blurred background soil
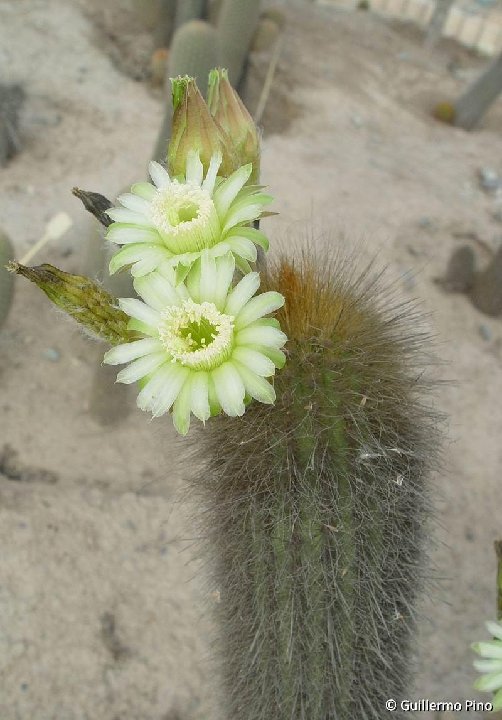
103, 614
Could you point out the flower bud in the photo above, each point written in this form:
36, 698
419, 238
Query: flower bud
231, 114
194, 129
82, 299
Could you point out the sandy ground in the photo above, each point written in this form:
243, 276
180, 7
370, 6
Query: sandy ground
102, 613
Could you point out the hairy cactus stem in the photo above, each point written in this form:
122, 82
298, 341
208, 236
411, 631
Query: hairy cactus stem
316, 508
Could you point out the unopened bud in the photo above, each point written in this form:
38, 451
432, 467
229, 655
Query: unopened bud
82, 299
230, 112
195, 129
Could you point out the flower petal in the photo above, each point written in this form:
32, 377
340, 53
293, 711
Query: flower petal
246, 209
214, 405
486, 666
242, 265
229, 389
242, 293
143, 257
141, 367
494, 628
134, 203
497, 700
243, 247
159, 174
182, 271
137, 309
256, 386
214, 166
144, 189
143, 328
221, 248
256, 236
132, 350
162, 389
277, 356
123, 233
208, 277
254, 361
123, 215
489, 682
156, 291
488, 649
229, 189
241, 215
225, 267
181, 408
192, 281
199, 400
261, 305
266, 322
194, 168
253, 335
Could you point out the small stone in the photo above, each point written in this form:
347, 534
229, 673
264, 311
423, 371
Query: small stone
485, 332
489, 179
356, 121
51, 354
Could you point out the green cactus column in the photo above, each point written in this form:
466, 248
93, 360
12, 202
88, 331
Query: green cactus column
237, 22
315, 508
187, 10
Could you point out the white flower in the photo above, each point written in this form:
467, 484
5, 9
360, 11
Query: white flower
205, 346
490, 664
175, 219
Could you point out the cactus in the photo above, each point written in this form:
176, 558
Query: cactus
156, 16
314, 508
187, 10
213, 11
6, 278
237, 24
165, 24
194, 52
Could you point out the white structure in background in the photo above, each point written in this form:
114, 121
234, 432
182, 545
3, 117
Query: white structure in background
476, 25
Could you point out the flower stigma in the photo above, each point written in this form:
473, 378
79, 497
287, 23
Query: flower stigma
197, 336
